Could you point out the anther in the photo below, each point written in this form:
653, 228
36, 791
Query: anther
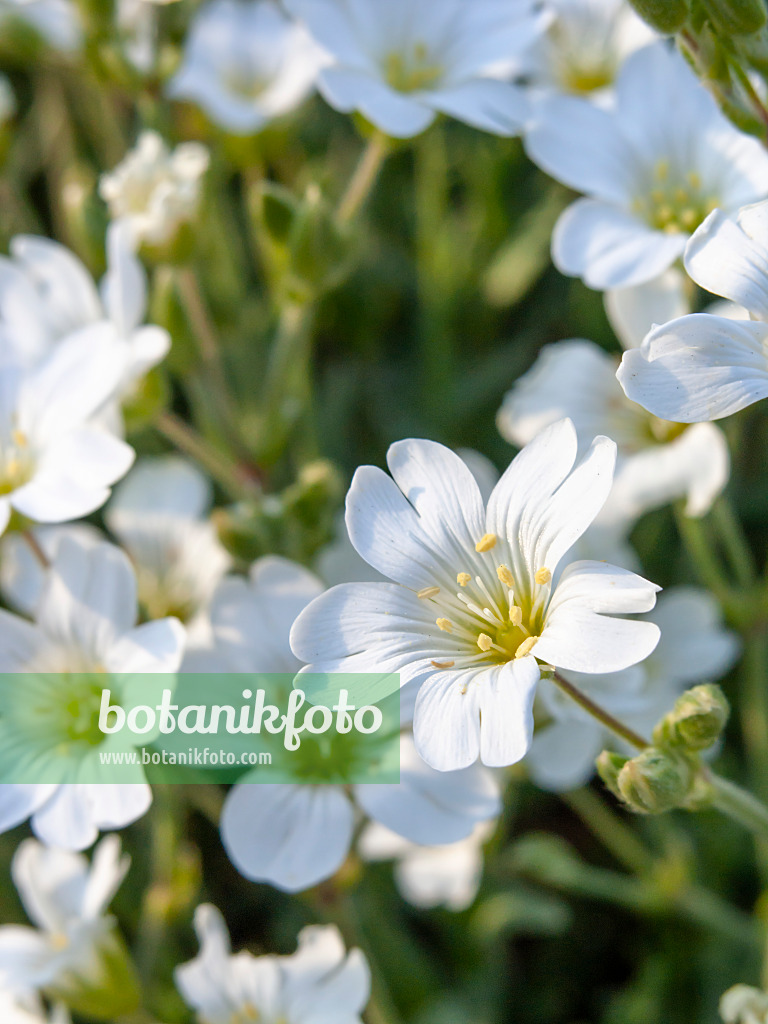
484, 642
428, 592
445, 625
443, 664
516, 615
463, 579
486, 542
505, 576
543, 576
526, 646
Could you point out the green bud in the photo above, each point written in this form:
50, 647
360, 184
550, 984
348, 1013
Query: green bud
655, 781
666, 16
696, 721
737, 17
753, 50
608, 767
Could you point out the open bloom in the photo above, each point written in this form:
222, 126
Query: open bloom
694, 648
320, 982
704, 367
46, 293
85, 626
743, 1004
481, 597
659, 461
73, 944
430, 876
154, 189
246, 63
401, 64
55, 465
583, 48
652, 170
159, 515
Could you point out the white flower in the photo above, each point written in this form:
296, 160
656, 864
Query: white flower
246, 63
85, 625
584, 47
158, 513
480, 594
400, 63
137, 25
28, 1009
66, 898
7, 100
744, 1004
294, 836
658, 461
46, 293
430, 876
55, 465
154, 189
694, 648
704, 367
652, 169
319, 983
57, 21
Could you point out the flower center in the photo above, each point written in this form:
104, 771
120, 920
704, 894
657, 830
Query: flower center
490, 617
411, 72
674, 205
16, 463
245, 83
664, 431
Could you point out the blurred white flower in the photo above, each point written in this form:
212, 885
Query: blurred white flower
46, 293
744, 1004
652, 169
66, 898
7, 100
22, 576
28, 1009
694, 647
401, 64
430, 876
703, 367
57, 21
55, 465
155, 189
318, 983
136, 22
245, 63
583, 48
295, 836
85, 626
159, 515
658, 462
479, 595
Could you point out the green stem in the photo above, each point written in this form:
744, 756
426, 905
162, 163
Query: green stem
734, 542
701, 552
609, 828
364, 178
739, 805
605, 717
157, 902
223, 469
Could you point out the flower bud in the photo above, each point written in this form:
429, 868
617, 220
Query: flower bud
608, 767
655, 781
696, 721
739, 17
666, 16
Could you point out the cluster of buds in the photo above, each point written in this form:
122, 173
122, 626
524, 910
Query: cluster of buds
726, 41
668, 774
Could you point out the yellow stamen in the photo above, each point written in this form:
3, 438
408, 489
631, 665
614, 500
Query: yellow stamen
463, 579
526, 646
484, 642
505, 576
661, 170
516, 615
445, 624
443, 664
486, 542
694, 180
19, 438
543, 576
428, 592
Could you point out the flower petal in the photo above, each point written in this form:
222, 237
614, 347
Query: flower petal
729, 257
